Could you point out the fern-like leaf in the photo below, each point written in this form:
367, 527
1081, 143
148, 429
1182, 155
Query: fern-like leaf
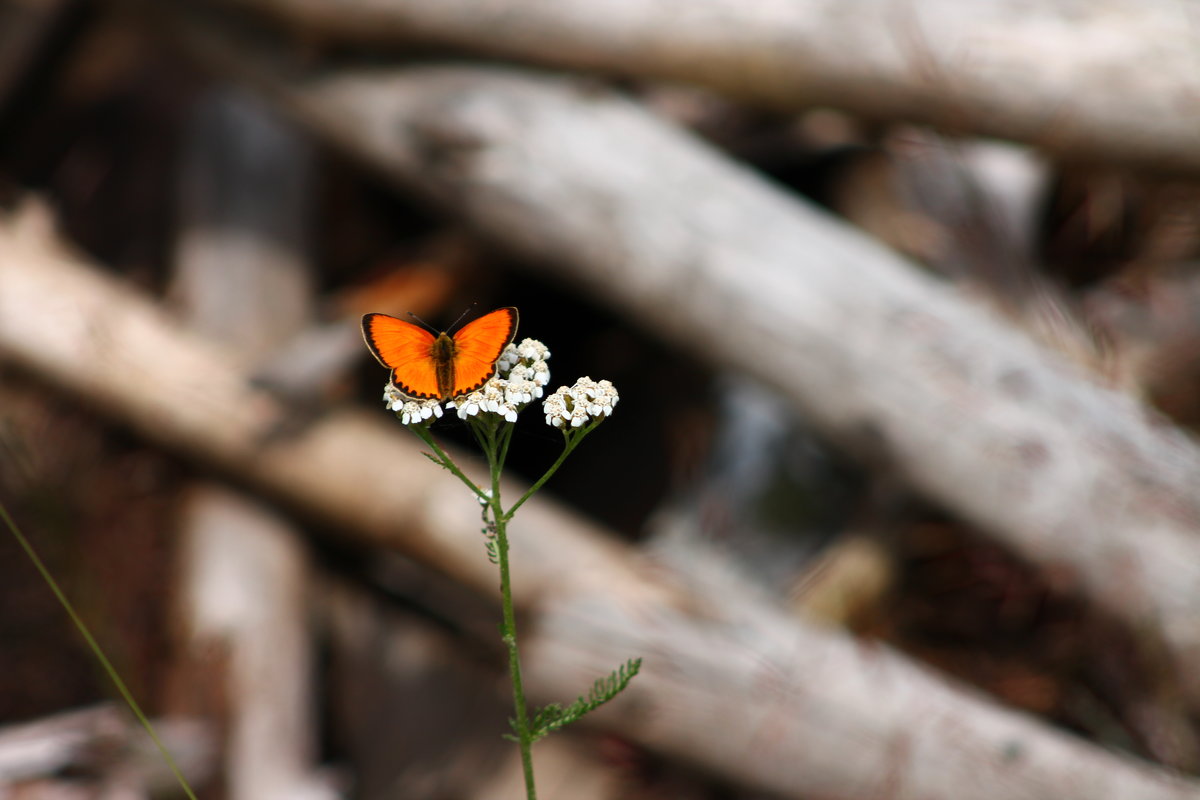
550, 718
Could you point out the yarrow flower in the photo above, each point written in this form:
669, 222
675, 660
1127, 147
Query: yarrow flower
576, 405
528, 351
489, 398
410, 410
530, 356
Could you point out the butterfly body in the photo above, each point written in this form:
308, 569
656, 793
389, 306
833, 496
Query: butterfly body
439, 366
442, 352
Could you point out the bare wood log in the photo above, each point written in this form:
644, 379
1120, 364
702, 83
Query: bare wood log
103, 739
48, 745
246, 581
97, 339
882, 357
740, 693
242, 279
241, 275
1058, 75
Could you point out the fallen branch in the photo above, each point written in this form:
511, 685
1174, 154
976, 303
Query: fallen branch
1059, 75
102, 740
242, 278
776, 705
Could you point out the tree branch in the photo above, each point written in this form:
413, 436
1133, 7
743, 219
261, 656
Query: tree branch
1118, 79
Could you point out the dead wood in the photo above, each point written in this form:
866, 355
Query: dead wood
722, 672
242, 278
772, 704
246, 580
106, 742
1111, 80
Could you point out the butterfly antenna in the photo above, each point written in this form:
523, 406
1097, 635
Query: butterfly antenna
466, 311
422, 322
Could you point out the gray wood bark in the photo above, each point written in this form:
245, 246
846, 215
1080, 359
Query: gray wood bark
241, 278
1118, 79
777, 706
104, 741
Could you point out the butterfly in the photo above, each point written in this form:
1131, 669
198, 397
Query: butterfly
425, 365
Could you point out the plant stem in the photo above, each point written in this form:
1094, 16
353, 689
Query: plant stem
509, 632
572, 441
126, 695
444, 460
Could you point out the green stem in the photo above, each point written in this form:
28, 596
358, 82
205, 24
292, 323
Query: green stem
505, 439
509, 633
95, 647
425, 436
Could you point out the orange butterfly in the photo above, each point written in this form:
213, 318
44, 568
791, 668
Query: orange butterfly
443, 366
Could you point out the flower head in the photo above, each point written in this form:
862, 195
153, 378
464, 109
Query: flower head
489, 398
410, 410
529, 352
574, 406
527, 362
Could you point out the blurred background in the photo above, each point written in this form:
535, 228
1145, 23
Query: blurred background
200, 200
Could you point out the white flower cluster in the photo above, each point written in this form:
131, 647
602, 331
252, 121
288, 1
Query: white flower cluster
532, 355
489, 397
411, 411
578, 404
521, 374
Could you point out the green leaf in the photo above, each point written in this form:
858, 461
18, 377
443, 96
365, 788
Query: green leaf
550, 718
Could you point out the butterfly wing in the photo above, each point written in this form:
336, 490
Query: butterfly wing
407, 350
477, 345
